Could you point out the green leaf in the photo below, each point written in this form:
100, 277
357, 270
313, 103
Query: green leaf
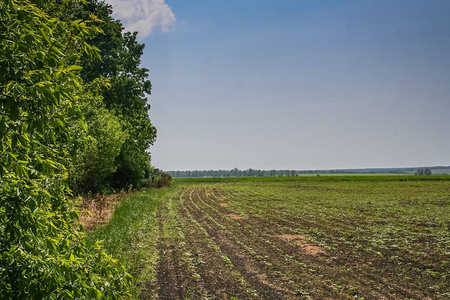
74, 68
68, 293
83, 125
57, 123
38, 157
44, 35
23, 139
98, 293
57, 51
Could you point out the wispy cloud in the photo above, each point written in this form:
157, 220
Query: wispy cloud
143, 15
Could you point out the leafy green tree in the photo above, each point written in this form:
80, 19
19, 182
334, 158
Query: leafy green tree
42, 249
126, 96
94, 151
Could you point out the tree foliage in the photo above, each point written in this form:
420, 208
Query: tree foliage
125, 97
117, 88
426, 172
42, 249
93, 151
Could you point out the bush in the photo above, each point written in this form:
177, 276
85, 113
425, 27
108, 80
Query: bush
94, 151
164, 181
159, 180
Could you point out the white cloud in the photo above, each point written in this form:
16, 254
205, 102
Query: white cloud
143, 15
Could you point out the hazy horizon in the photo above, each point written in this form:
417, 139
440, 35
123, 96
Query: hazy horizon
298, 85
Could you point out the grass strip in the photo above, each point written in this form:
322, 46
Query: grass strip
130, 235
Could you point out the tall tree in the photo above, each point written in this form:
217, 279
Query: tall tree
123, 97
126, 97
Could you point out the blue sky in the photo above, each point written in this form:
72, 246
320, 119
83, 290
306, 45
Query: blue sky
300, 84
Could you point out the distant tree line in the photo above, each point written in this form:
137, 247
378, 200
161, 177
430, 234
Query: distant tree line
426, 171
291, 173
233, 173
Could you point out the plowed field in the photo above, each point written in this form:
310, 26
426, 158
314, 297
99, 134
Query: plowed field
299, 240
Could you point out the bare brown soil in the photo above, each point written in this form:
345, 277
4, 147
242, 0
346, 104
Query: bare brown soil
235, 217
209, 251
303, 242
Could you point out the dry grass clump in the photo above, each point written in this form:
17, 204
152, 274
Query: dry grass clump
97, 210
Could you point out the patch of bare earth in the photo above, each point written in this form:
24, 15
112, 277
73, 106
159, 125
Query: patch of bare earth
303, 242
97, 210
235, 217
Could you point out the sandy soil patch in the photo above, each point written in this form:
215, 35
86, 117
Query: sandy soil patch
303, 242
235, 217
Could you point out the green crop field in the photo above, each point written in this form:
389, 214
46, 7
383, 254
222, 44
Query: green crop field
335, 237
